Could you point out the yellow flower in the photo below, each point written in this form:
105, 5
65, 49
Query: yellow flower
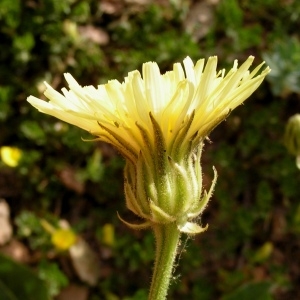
158, 123
63, 239
10, 155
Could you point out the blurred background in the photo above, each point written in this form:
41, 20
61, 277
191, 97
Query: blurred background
60, 237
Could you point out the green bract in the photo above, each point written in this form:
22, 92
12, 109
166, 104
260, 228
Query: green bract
164, 187
292, 137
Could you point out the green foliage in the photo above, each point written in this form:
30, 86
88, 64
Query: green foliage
10, 13
259, 291
231, 16
254, 218
139, 295
149, 37
18, 282
137, 254
5, 96
53, 277
29, 227
284, 60
33, 131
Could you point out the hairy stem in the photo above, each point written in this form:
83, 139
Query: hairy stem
167, 239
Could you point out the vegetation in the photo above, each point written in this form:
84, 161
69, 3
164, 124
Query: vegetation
251, 247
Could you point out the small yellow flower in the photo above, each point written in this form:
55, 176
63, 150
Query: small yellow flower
63, 239
158, 123
10, 155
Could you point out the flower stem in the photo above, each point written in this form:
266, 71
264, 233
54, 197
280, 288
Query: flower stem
167, 239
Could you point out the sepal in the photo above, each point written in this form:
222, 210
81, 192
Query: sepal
160, 216
191, 228
124, 147
182, 187
202, 204
131, 201
144, 225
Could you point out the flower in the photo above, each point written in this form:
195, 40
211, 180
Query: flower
158, 123
63, 239
10, 155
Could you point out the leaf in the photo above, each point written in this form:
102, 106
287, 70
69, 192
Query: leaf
33, 131
55, 279
6, 293
18, 282
250, 291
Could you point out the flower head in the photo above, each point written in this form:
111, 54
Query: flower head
158, 122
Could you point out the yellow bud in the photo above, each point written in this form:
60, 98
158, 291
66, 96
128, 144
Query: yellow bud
10, 155
108, 235
292, 135
264, 252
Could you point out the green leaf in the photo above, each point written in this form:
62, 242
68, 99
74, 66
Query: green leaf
24, 42
53, 276
33, 131
18, 282
250, 291
9, 12
6, 293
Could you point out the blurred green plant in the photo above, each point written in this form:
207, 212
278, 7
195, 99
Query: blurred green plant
148, 37
29, 227
53, 277
257, 197
242, 35
19, 282
284, 60
256, 290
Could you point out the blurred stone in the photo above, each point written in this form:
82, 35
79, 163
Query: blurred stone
200, 18
85, 262
10, 184
140, 2
16, 250
69, 178
73, 292
111, 7
259, 273
96, 35
279, 225
5, 226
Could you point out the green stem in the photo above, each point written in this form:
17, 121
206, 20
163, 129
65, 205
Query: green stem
167, 239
